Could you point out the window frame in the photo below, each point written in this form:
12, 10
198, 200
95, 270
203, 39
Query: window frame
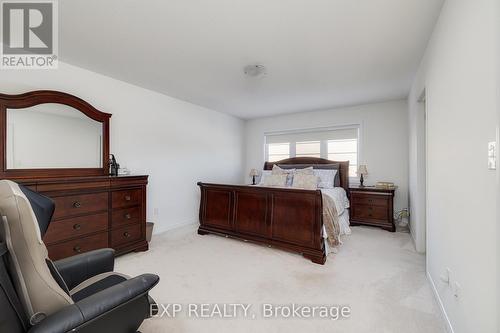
323, 143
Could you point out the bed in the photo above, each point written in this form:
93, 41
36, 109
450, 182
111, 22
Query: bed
282, 217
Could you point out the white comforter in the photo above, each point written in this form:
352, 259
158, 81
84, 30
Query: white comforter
339, 196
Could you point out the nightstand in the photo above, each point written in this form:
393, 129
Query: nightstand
372, 206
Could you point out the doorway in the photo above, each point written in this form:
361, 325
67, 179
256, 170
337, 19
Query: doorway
422, 140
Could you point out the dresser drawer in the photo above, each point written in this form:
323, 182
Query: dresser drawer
77, 246
80, 204
126, 216
367, 199
125, 198
126, 235
370, 212
76, 227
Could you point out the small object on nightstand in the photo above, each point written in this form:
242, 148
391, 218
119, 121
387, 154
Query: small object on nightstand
254, 173
362, 170
385, 185
371, 205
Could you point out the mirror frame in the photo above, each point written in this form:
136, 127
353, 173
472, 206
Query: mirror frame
55, 97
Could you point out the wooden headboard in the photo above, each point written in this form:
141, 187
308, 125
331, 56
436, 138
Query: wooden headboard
343, 169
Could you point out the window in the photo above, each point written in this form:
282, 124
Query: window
308, 148
278, 151
336, 144
345, 150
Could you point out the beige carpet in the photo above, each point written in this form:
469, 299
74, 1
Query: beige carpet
376, 273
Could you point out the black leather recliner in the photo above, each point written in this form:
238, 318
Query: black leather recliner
76, 294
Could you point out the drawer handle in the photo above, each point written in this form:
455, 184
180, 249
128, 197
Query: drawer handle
77, 226
370, 200
77, 249
128, 216
370, 208
370, 215
126, 234
128, 198
77, 204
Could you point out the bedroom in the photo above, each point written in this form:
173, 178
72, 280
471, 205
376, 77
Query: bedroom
189, 92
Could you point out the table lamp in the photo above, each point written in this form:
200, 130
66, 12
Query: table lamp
362, 170
254, 173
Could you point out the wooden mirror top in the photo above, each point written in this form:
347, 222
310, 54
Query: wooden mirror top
34, 98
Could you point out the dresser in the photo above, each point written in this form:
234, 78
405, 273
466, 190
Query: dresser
372, 206
67, 158
94, 212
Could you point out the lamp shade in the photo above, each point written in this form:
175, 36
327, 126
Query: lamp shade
362, 170
254, 172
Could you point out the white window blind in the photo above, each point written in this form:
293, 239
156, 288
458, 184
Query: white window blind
333, 144
308, 148
299, 136
344, 150
278, 151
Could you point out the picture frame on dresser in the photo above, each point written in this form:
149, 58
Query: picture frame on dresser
93, 209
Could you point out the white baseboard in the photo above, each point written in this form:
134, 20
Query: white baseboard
449, 328
158, 230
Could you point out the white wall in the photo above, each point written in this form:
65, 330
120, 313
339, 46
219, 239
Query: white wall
460, 76
384, 139
175, 142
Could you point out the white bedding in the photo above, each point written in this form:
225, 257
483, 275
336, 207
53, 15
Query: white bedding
339, 196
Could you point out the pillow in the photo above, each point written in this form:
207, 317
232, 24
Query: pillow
326, 178
305, 171
306, 182
331, 166
264, 175
279, 171
275, 180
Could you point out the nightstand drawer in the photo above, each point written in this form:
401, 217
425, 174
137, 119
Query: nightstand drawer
368, 199
370, 212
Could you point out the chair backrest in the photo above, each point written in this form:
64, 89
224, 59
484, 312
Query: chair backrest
39, 293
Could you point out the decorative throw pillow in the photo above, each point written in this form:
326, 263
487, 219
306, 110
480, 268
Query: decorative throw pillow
289, 172
263, 176
326, 178
279, 171
307, 182
275, 180
305, 171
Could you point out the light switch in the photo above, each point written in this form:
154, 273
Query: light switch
492, 155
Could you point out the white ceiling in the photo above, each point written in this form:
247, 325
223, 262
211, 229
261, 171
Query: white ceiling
318, 53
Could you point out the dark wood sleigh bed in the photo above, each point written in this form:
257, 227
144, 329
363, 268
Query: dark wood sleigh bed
285, 218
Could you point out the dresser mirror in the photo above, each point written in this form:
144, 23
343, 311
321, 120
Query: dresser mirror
48, 136
49, 133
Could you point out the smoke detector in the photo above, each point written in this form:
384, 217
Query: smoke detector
255, 70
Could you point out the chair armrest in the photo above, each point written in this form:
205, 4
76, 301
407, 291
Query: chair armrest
74, 270
96, 306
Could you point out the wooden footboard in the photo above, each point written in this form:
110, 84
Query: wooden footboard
285, 218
